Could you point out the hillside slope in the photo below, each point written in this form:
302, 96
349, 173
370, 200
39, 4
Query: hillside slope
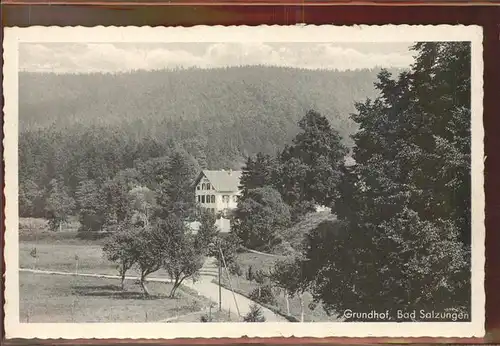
79, 126
192, 99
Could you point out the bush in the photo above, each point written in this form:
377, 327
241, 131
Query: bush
235, 269
205, 318
254, 315
260, 276
263, 294
312, 305
250, 274
91, 235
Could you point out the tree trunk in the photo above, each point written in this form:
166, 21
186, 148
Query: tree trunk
143, 285
287, 303
122, 273
177, 284
301, 308
237, 282
174, 288
220, 286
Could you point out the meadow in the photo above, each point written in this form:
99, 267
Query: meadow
42, 249
101, 300
312, 312
51, 298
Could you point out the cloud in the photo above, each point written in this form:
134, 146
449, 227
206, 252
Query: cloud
109, 57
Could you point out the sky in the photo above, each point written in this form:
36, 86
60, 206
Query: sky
122, 57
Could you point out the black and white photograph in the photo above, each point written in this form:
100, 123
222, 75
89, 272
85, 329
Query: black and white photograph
228, 181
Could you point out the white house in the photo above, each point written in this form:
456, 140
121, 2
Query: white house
218, 191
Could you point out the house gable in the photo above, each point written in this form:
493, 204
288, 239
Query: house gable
222, 181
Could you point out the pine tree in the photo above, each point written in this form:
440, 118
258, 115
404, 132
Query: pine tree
117, 200
31, 199
92, 208
260, 218
310, 167
174, 191
59, 205
255, 314
259, 171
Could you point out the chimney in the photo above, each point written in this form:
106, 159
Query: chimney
230, 171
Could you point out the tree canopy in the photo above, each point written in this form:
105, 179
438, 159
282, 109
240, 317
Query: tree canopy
403, 236
260, 217
90, 127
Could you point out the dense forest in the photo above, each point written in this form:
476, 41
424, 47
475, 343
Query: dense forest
79, 127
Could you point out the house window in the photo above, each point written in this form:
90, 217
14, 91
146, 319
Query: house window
198, 198
213, 199
198, 187
203, 186
225, 199
235, 199
203, 199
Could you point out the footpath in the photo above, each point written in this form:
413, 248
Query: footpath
207, 288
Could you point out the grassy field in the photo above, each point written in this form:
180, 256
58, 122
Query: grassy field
35, 229
54, 298
61, 257
257, 261
57, 251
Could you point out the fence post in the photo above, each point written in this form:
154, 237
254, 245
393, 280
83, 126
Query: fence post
76, 263
229, 280
220, 287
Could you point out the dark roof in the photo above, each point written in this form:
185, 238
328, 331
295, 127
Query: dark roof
222, 180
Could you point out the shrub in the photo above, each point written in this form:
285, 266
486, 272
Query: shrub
235, 269
263, 294
250, 274
205, 318
260, 276
254, 315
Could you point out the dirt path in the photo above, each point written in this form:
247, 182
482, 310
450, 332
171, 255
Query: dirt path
94, 275
203, 286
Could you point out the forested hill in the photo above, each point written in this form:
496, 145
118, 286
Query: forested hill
200, 100
78, 126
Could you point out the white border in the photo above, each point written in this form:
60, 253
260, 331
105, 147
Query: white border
302, 33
